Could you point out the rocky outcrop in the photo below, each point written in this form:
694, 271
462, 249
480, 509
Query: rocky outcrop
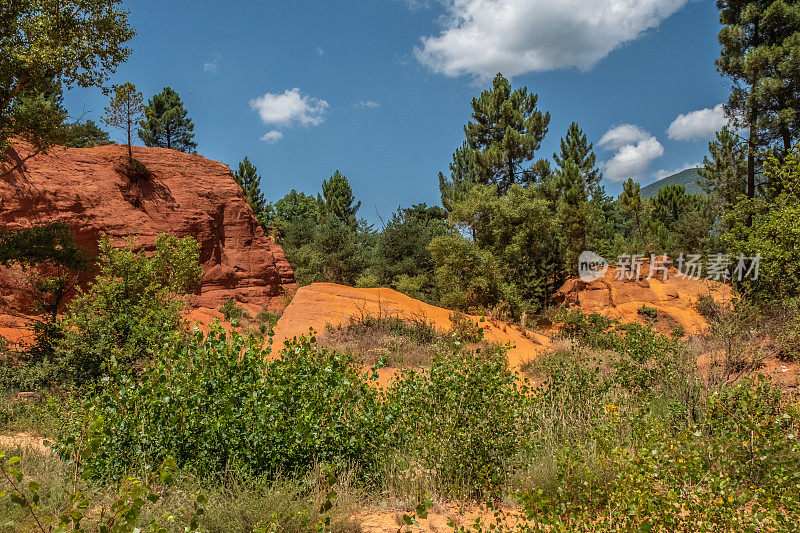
185, 195
320, 305
616, 296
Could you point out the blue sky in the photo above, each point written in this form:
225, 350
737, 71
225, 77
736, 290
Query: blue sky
380, 89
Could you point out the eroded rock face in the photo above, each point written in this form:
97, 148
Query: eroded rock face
186, 195
671, 294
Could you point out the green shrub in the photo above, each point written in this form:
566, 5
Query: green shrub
707, 306
216, 404
591, 329
650, 312
459, 421
129, 311
231, 311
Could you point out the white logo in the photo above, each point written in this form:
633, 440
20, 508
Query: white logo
591, 266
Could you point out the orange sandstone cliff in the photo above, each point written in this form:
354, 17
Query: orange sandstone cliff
187, 195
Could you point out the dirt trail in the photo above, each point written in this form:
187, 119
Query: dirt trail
24, 441
319, 304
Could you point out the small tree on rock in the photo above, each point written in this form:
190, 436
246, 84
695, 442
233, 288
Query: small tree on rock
125, 109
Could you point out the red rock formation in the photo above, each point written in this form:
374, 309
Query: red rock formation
186, 195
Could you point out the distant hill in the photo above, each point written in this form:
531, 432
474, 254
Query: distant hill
687, 178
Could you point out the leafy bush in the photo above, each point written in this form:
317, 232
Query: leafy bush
707, 306
216, 405
459, 421
650, 312
129, 311
231, 311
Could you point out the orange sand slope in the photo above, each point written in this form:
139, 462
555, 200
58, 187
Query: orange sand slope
674, 298
319, 304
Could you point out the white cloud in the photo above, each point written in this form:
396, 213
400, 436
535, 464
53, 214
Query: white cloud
367, 104
320, 51
212, 65
698, 125
635, 150
483, 37
621, 135
290, 107
272, 136
663, 173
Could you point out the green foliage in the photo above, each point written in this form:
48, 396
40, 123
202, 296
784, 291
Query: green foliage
129, 311
337, 253
573, 210
669, 204
86, 134
338, 199
124, 111
295, 217
631, 203
773, 232
167, 123
458, 421
466, 275
464, 174
758, 53
44, 243
231, 311
306, 407
121, 516
52, 265
78, 42
724, 175
248, 179
576, 148
506, 132
648, 311
512, 260
402, 257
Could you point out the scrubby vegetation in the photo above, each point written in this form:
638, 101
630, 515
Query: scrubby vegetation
614, 427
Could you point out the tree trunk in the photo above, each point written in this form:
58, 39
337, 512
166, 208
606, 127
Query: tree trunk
130, 150
787, 139
751, 156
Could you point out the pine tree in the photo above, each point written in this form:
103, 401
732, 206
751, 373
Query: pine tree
167, 123
337, 199
248, 179
760, 53
724, 176
576, 148
573, 209
463, 175
124, 110
86, 135
669, 203
506, 132
631, 200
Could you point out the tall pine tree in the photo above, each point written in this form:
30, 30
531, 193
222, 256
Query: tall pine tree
723, 176
760, 53
632, 203
505, 132
167, 123
575, 147
248, 179
463, 175
338, 199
